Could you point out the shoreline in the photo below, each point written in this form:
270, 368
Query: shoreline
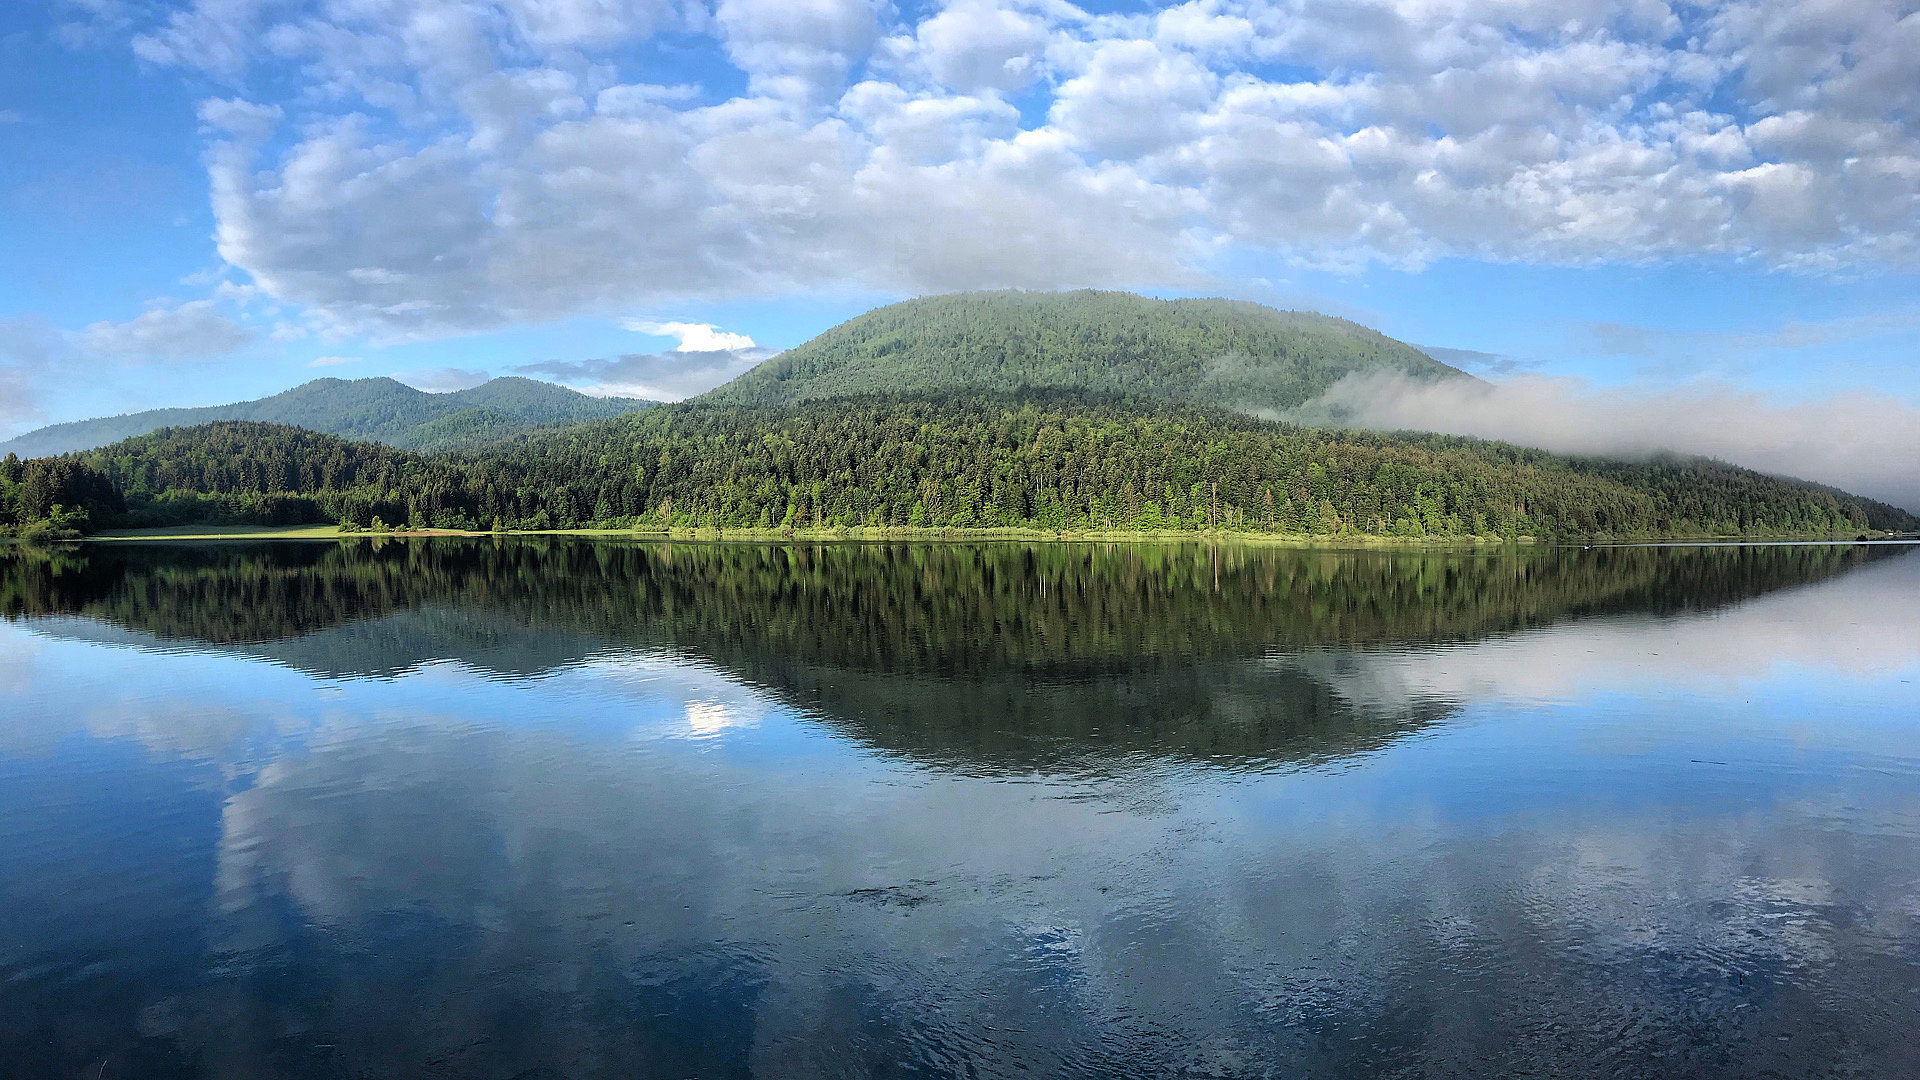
865, 534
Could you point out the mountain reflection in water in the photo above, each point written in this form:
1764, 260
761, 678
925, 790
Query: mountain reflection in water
556, 808
996, 655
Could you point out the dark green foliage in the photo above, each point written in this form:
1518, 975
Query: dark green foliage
1051, 462
1214, 352
372, 410
995, 653
900, 608
236, 472
53, 498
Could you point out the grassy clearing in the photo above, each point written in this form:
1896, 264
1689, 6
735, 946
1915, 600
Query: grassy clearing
221, 532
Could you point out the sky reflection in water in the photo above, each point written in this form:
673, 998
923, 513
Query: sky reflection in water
582, 810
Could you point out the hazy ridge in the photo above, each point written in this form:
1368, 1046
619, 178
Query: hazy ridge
371, 410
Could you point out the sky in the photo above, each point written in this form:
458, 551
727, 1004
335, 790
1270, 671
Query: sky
1698, 224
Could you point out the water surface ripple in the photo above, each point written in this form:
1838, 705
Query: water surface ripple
529, 808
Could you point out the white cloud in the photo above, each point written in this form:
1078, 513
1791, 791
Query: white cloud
38, 359
332, 361
442, 380
214, 35
1134, 99
1861, 442
464, 164
571, 23
238, 118
693, 337
669, 376
981, 44
798, 50
10, 116
194, 330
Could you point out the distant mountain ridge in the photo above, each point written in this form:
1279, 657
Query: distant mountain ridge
368, 410
1226, 353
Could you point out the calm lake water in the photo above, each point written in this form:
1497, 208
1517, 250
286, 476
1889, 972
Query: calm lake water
514, 808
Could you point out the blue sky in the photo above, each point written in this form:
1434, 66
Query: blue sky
201, 199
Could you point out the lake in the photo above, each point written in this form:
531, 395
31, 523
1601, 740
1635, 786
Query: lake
566, 808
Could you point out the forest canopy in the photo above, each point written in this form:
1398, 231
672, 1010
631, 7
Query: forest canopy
1228, 353
1066, 412
1057, 462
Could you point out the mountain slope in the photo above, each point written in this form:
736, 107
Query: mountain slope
1213, 352
1048, 461
370, 410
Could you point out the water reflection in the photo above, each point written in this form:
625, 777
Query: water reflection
995, 656
770, 813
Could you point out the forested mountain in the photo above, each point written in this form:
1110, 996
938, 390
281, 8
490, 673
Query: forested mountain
1056, 462
1086, 412
1213, 352
373, 410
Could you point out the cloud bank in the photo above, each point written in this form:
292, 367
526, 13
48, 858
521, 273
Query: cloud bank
1865, 443
35, 354
444, 380
704, 357
191, 331
447, 166
668, 376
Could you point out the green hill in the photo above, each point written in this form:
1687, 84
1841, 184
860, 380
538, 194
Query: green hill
1053, 461
368, 410
1228, 353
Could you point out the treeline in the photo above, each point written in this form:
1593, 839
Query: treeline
959, 462
981, 655
942, 609
55, 498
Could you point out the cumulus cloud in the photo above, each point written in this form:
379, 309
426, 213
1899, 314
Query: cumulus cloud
37, 357
693, 337
798, 50
704, 357
194, 330
668, 376
1863, 442
473, 163
442, 380
972, 45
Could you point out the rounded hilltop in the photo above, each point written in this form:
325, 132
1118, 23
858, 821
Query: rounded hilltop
1228, 353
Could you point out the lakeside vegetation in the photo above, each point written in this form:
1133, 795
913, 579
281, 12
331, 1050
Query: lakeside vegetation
1049, 463
897, 607
989, 655
1087, 413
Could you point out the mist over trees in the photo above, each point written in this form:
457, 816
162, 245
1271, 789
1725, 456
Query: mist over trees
1066, 412
1051, 462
